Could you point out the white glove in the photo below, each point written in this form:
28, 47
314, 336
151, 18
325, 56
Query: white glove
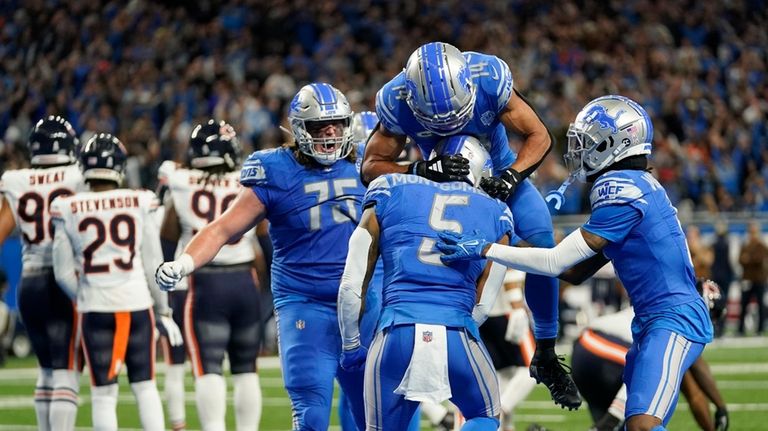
518, 325
168, 329
169, 274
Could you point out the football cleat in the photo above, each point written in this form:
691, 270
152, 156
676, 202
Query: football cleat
555, 375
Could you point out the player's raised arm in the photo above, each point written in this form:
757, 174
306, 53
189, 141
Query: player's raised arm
358, 269
245, 212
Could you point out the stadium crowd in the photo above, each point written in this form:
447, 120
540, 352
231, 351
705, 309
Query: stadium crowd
149, 71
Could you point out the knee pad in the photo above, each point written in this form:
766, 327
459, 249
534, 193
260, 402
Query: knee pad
315, 418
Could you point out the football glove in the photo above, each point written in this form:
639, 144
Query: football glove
353, 359
441, 169
721, 419
456, 247
169, 274
517, 326
168, 329
503, 186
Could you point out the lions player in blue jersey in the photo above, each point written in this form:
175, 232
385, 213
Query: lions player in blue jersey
442, 92
634, 225
427, 346
311, 195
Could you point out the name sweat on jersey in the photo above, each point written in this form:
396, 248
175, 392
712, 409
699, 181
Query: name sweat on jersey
411, 210
312, 212
493, 83
649, 252
198, 199
29, 193
107, 230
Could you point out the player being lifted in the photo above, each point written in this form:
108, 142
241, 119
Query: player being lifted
427, 346
442, 92
634, 225
105, 247
311, 196
49, 316
222, 312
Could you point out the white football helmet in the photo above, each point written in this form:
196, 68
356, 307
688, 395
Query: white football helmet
480, 163
316, 105
607, 130
440, 90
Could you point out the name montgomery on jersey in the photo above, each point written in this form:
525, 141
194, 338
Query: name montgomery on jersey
93, 205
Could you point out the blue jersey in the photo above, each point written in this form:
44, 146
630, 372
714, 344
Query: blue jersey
648, 249
312, 212
418, 287
493, 82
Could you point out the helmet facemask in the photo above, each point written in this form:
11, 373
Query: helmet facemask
326, 150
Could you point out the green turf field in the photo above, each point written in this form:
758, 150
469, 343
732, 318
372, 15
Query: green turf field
740, 366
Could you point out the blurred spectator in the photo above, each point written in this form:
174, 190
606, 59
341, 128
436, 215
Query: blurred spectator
701, 254
754, 261
722, 270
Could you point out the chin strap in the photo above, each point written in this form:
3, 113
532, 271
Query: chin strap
558, 196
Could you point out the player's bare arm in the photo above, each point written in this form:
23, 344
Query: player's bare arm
245, 212
381, 151
7, 222
519, 116
170, 229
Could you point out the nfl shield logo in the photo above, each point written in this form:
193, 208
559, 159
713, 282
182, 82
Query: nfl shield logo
426, 336
300, 324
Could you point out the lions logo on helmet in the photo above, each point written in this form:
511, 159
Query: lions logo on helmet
607, 130
440, 90
314, 108
214, 144
480, 163
52, 142
103, 158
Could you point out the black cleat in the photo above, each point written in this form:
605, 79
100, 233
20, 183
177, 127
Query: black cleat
556, 376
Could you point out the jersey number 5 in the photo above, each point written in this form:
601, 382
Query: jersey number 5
340, 213
125, 239
437, 222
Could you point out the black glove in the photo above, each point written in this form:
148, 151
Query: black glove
442, 168
503, 186
721, 419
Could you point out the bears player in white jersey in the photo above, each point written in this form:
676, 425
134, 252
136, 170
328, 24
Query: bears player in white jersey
49, 316
222, 311
105, 247
634, 225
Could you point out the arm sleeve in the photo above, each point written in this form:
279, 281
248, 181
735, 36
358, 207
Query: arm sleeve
491, 289
152, 257
613, 222
64, 260
543, 261
350, 296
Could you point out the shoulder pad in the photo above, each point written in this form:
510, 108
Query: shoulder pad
389, 100
616, 188
255, 168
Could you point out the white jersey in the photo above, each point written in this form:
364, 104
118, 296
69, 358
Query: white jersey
198, 201
113, 236
617, 324
29, 193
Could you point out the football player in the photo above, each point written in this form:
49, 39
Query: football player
634, 225
442, 92
311, 195
427, 345
222, 312
49, 316
105, 246
598, 363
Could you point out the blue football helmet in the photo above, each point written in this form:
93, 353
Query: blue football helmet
314, 107
480, 163
363, 124
439, 87
608, 129
103, 158
213, 144
52, 142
